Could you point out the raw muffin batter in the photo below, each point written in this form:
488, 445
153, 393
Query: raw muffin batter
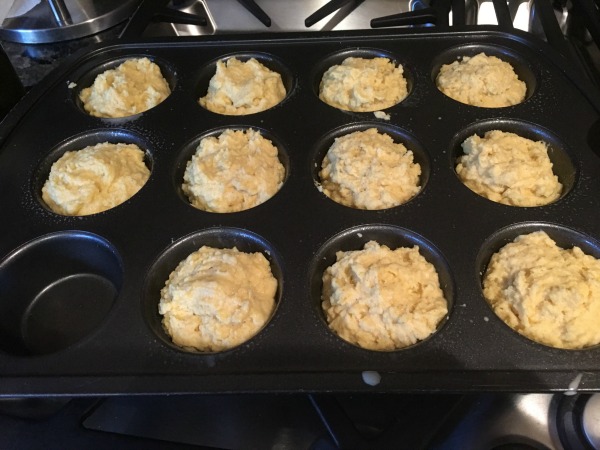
232, 172
549, 294
239, 88
382, 299
217, 298
508, 169
367, 170
95, 179
481, 80
363, 85
133, 87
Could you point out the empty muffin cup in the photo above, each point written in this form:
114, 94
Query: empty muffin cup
56, 290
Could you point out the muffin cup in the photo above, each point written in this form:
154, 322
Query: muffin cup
367, 53
55, 291
189, 149
81, 141
393, 237
564, 237
518, 63
558, 153
244, 240
269, 61
86, 80
398, 135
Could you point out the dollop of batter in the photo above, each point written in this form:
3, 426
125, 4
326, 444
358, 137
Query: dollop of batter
368, 170
509, 169
382, 299
363, 84
133, 87
217, 299
548, 294
95, 179
235, 171
481, 80
239, 88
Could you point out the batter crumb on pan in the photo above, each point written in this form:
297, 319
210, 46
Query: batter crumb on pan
382, 115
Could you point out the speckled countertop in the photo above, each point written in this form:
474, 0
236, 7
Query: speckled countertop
33, 62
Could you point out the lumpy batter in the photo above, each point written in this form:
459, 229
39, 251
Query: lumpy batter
363, 84
545, 292
217, 299
133, 87
95, 179
382, 299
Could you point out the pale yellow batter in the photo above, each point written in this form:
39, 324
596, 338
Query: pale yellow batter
234, 171
382, 299
546, 293
481, 80
363, 84
240, 88
95, 179
217, 299
133, 87
368, 170
508, 169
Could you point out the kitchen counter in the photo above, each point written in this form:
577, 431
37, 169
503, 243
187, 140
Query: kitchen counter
33, 62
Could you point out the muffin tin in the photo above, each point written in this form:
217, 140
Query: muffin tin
79, 295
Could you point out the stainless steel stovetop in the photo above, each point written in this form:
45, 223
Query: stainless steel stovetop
229, 16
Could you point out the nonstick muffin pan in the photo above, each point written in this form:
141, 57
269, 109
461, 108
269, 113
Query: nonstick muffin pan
79, 295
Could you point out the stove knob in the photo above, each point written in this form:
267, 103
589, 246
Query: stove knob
590, 420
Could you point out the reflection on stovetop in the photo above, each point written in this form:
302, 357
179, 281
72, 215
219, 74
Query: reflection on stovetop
315, 422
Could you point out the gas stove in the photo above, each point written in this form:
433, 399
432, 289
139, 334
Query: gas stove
232, 16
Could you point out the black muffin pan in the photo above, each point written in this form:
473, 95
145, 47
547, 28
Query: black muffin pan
79, 295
